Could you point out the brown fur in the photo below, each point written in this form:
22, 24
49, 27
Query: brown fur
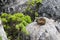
41, 21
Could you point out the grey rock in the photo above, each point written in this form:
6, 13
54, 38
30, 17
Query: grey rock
13, 6
44, 32
50, 9
2, 32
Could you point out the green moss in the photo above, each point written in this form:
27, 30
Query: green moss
36, 14
32, 2
15, 23
0, 38
32, 8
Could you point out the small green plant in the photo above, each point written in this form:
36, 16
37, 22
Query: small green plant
32, 8
32, 2
15, 23
0, 38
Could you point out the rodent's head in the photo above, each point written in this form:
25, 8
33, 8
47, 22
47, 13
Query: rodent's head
41, 21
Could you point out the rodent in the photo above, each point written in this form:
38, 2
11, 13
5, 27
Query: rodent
41, 21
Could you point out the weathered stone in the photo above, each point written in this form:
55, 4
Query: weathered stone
50, 9
44, 32
12, 6
2, 32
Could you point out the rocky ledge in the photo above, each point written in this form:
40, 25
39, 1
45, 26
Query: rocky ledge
49, 31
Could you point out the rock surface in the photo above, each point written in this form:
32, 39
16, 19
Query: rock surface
50, 9
49, 31
12, 6
2, 32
